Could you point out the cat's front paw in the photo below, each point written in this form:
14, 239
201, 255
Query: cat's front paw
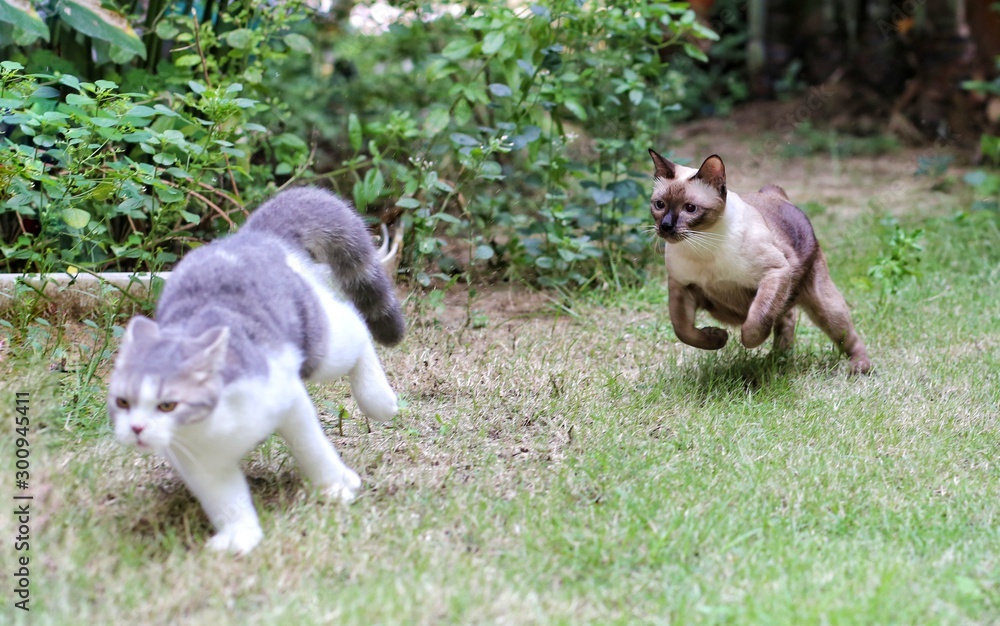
236, 539
713, 338
860, 365
345, 488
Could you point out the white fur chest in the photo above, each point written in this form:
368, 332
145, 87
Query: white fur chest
248, 411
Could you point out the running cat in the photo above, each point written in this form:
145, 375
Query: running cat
748, 261
241, 325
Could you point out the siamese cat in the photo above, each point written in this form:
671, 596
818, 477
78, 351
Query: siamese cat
748, 261
241, 326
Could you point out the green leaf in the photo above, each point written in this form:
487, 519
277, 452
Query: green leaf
90, 18
408, 203
241, 38
77, 99
464, 140
493, 41
694, 52
168, 195
166, 30
189, 217
975, 178
187, 60
601, 196
484, 252
28, 25
354, 132
458, 49
298, 43
141, 111
437, 120
70, 81
576, 109
76, 218
500, 90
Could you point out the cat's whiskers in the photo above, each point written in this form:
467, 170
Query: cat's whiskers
704, 234
702, 243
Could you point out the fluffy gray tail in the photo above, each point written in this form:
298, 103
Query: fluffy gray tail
331, 231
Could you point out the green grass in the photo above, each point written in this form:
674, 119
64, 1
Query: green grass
565, 470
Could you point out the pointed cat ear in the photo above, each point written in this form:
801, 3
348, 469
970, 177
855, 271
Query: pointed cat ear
139, 328
713, 172
664, 168
209, 352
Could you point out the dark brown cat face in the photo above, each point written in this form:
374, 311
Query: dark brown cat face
683, 204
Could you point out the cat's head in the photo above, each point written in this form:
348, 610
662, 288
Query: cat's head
685, 200
162, 380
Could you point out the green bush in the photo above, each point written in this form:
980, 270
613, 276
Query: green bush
986, 181
510, 141
99, 176
507, 137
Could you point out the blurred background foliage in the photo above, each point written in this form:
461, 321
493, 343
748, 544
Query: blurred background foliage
507, 140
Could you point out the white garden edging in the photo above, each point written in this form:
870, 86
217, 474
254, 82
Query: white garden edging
68, 290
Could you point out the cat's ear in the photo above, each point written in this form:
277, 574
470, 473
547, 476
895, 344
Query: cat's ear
140, 328
713, 172
663, 167
209, 352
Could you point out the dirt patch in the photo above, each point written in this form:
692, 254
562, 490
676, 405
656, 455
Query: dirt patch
755, 142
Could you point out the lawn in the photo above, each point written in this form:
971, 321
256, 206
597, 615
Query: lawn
568, 461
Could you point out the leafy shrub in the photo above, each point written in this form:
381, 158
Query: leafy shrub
899, 259
986, 181
507, 137
101, 177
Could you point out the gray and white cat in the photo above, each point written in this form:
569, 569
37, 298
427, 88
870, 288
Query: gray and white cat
241, 325
748, 261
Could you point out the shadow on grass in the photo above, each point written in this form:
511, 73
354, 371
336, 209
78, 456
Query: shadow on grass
169, 509
735, 373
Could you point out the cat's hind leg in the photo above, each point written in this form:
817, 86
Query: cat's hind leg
784, 330
224, 494
370, 387
826, 307
301, 430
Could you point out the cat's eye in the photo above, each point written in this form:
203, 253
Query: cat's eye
660, 204
166, 407
121, 403
690, 208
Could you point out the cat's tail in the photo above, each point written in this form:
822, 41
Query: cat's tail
331, 231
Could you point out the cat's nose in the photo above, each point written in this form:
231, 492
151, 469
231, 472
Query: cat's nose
667, 224
137, 429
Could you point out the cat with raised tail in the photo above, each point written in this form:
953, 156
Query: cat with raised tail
296, 295
748, 261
